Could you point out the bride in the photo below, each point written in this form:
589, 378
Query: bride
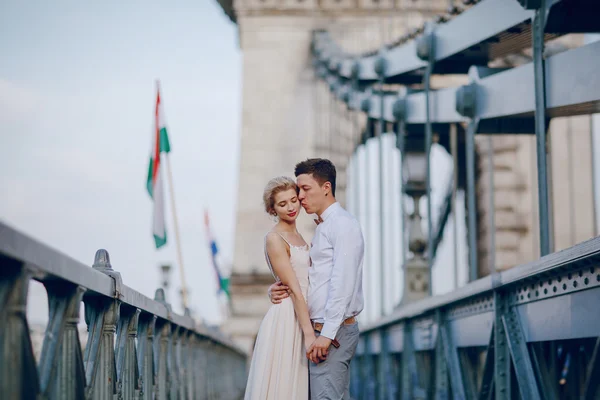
279, 367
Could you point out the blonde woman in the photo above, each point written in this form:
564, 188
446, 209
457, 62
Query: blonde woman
279, 366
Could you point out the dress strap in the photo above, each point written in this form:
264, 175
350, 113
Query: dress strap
269, 260
284, 239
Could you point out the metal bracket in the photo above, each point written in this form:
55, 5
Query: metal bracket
501, 352
365, 105
425, 44
387, 385
456, 379
426, 51
125, 357
520, 355
145, 354
471, 193
541, 370
441, 366
19, 376
411, 388
101, 316
162, 342
539, 69
592, 376
369, 389
466, 100
487, 380
64, 300
530, 4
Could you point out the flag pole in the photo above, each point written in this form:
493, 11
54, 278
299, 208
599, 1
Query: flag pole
177, 240
184, 293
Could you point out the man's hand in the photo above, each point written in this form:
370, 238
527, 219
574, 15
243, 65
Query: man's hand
277, 292
318, 350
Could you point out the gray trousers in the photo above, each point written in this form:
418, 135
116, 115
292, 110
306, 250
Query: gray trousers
330, 379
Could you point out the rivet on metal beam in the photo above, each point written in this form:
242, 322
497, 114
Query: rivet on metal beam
466, 100
426, 44
317, 51
399, 109
322, 73
381, 66
333, 86
363, 137
335, 65
365, 104
355, 71
346, 96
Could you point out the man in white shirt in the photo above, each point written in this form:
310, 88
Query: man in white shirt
335, 295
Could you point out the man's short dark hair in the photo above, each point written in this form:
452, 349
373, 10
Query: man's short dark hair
321, 169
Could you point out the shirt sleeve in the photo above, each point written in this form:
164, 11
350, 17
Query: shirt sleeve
348, 252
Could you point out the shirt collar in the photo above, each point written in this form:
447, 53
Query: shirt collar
329, 210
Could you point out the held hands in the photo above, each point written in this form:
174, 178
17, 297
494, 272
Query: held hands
317, 352
309, 339
277, 292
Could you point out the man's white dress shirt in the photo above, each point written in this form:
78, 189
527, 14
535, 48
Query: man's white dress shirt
335, 277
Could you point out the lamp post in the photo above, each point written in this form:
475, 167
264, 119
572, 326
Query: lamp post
417, 274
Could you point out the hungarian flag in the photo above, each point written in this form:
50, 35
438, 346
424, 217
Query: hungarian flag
160, 144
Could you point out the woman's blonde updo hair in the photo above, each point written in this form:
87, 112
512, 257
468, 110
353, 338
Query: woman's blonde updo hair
274, 186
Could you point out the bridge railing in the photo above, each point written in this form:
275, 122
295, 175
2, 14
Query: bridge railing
136, 347
530, 332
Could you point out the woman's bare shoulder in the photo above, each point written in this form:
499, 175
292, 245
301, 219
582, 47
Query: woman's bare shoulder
275, 243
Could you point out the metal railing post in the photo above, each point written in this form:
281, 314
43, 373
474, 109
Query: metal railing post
426, 52
539, 69
380, 69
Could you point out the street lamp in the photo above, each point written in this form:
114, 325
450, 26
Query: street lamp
417, 276
414, 173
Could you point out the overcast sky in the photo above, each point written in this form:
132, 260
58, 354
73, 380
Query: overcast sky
77, 91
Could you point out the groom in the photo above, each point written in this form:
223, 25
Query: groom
335, 294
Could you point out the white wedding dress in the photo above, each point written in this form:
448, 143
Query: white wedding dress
279, 367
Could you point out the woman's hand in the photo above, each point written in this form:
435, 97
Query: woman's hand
309, 339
